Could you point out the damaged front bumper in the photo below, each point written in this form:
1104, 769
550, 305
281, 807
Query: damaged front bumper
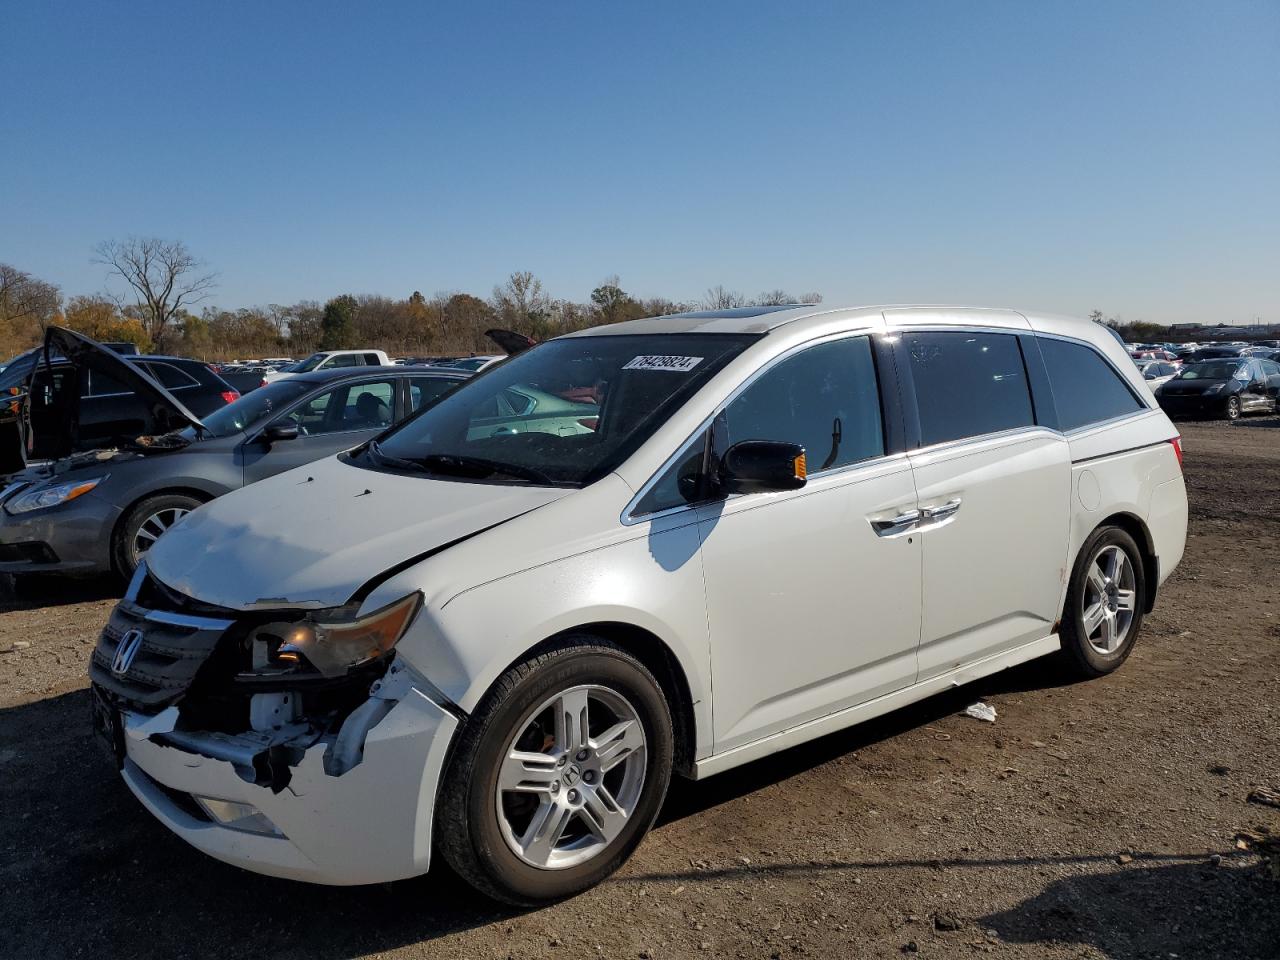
347, 809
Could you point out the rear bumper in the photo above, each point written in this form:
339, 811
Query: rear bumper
370, 824
73, 537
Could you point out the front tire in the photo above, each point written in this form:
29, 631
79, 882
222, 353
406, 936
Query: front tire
1105, 603
144, 525
1232, 409
558, 775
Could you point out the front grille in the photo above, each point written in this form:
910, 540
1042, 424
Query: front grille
173, 648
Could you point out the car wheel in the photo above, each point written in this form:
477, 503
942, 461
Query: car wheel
1232, 410
1105, 603
144, 525
557, 775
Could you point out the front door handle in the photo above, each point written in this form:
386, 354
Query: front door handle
940, 511
899, 524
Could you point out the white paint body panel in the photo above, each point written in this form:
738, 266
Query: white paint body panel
786, 614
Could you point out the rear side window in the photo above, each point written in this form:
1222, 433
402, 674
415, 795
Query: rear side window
427, 389
1086, 389
968, 384
170, 376
371, 360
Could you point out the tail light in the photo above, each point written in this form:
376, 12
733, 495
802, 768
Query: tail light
589, 422
1176, 442
229, 396
263, 383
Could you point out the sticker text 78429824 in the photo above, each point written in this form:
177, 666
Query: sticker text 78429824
671, 364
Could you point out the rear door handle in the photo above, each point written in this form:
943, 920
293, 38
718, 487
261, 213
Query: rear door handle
899, 524
941, 511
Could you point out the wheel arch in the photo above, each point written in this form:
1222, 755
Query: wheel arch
197, 493
1137, 528
660, 660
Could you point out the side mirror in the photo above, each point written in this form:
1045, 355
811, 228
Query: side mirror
280, 430
758, 466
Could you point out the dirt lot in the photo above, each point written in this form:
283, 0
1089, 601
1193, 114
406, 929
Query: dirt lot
1088, 821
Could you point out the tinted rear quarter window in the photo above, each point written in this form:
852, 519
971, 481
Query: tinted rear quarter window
1086, 388
968, 384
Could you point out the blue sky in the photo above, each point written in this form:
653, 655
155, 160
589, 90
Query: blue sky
1061, 156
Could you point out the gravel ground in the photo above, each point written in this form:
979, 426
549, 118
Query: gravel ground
1091, 820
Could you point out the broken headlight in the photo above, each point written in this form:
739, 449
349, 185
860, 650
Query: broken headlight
333, 644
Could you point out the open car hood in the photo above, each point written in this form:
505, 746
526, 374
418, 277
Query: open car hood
509, 341
53, 420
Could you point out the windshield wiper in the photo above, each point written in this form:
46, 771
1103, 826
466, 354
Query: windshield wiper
465, 466
375, 452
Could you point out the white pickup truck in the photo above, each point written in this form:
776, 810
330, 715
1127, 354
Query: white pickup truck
328, 360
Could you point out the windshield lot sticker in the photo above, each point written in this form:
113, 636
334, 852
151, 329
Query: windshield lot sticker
674, 364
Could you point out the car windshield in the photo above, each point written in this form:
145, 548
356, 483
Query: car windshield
303, 366
563, 413
1210, 370
252, 408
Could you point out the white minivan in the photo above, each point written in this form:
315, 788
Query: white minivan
671, 545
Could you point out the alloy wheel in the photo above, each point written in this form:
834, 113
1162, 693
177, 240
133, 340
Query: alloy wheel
152, 527
1110, 600
571, 777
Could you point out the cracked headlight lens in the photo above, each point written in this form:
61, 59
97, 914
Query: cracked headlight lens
50, 496
335, 646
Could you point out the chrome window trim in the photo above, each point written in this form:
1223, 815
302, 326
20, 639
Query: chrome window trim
628, 518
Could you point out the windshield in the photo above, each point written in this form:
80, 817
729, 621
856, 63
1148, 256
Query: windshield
303, 366
563, 413
253, 407
1210, 370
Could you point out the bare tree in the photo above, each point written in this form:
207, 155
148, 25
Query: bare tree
718, 298
24, 298
774, 298
163, 274
810, 298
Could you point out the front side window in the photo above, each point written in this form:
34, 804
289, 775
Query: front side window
824, 398
361, 406
307, 365
562, 413
1086, 389
967, 384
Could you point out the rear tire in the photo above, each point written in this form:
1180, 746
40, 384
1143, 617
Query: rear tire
1232, 410
144, 524
531, 811
1105, 603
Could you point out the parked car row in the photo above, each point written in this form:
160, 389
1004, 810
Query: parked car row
490, 632
119, 465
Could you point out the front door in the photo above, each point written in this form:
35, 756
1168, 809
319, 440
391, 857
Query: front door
328, 423
813, 595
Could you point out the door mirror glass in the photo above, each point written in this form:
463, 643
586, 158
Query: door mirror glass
280, 430
758, 466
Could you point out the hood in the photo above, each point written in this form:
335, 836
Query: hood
47, 425
314, 536
509, 341
1198, 385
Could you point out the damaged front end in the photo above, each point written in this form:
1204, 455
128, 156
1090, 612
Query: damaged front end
233, 724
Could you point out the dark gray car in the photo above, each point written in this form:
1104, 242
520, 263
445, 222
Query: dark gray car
99, 510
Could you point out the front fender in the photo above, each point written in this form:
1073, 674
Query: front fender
652, 582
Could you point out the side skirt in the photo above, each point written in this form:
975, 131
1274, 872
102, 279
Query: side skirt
874, 708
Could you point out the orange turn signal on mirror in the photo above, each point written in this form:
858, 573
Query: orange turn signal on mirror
802, 467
